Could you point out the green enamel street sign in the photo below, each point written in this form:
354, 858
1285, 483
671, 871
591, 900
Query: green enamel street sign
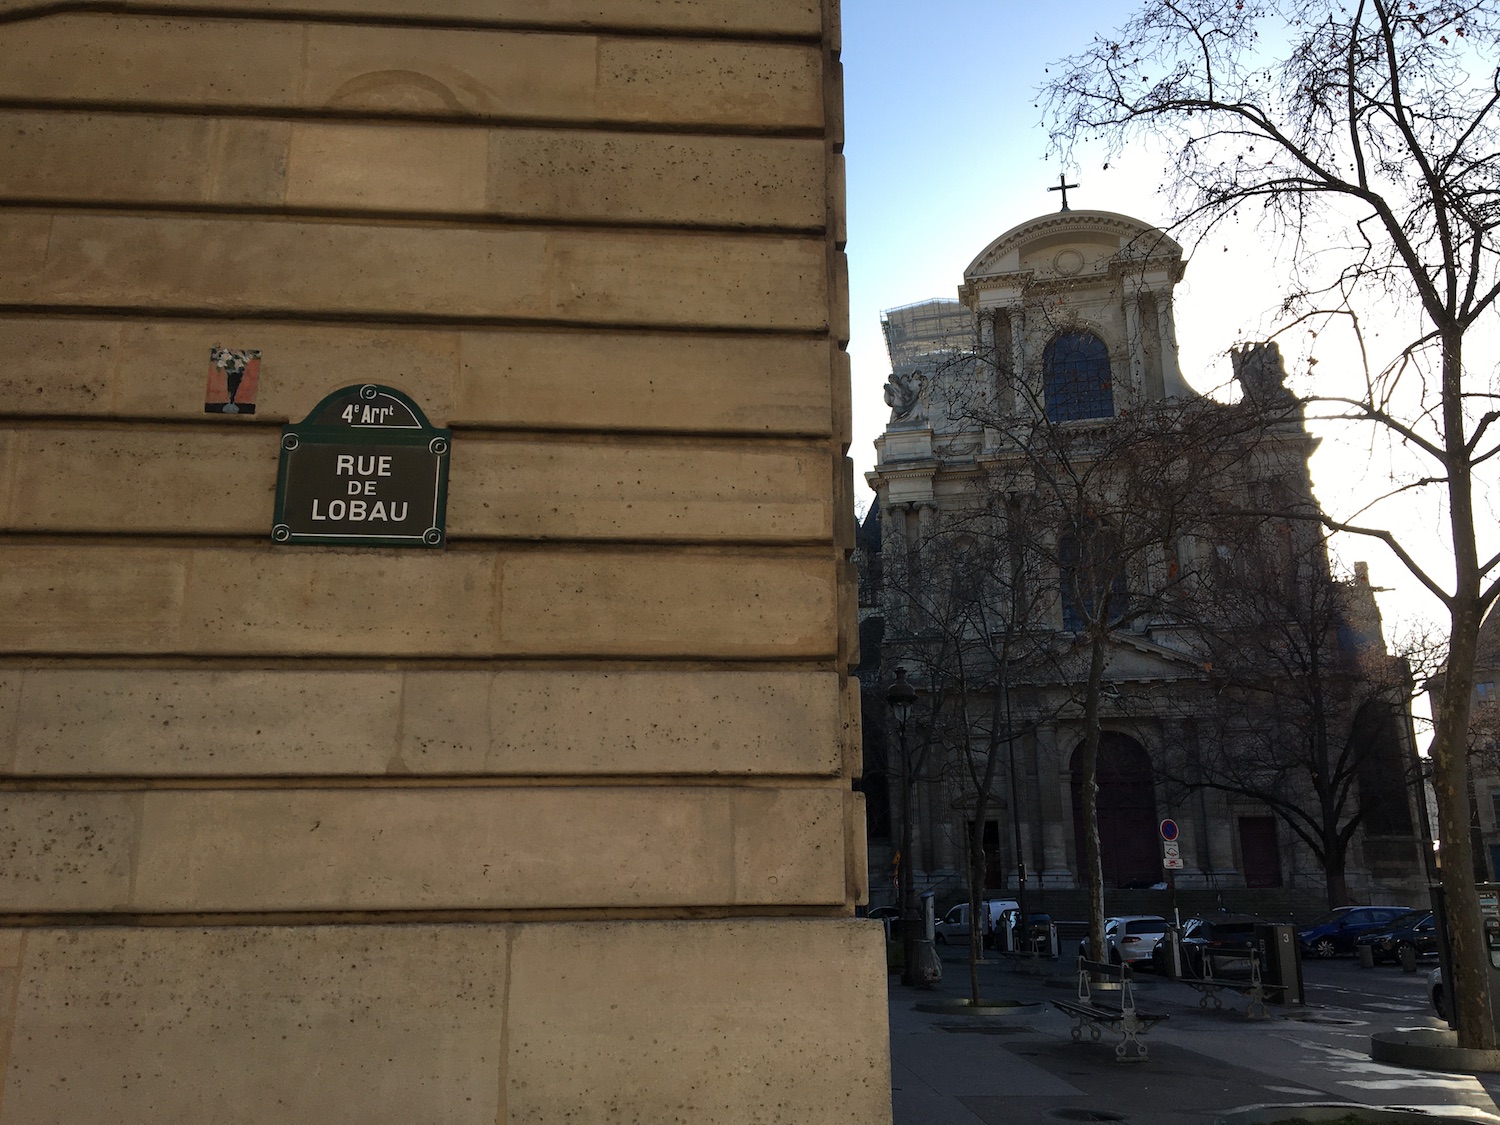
364, 469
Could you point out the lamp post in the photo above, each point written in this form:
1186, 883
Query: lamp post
901, 695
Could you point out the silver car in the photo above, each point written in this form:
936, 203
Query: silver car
1130, 938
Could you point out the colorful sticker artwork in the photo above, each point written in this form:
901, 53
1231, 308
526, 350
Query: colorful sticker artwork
233, 380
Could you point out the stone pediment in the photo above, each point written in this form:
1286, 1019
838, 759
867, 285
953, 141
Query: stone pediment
1071, 244
1134, 659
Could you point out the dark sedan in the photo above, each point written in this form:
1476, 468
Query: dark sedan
1415, 929
1211, 947
1336, 931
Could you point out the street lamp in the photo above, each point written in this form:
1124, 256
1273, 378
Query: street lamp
901, 695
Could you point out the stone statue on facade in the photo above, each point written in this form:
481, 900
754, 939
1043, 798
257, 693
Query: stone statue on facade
1261, 374
903, 394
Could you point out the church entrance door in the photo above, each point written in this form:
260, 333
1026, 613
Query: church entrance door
1128, 843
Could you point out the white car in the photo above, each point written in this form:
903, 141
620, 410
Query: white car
1129, 938
954, 925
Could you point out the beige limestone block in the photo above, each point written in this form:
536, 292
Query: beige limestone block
105, 58
856, 853
597, 604
245, 265
103, 598
659, 721
642, 177
347, 166
339, 1025
58, 598
577, 175
248, 165
11, 684
768, 17
450, 73
121, 722
637, 490
786, 843
141, 482
482, 377
737, 281
736, 83
97, 58
129, 158
645, 381
52, 365
853, 719
778, 1022
239, 265
508, 376
843, 399
102, 157
168, 481
476, 848
162, 722
838, 209
24, 239
74, 851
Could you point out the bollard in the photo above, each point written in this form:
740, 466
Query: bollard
1408, 958
1367, 957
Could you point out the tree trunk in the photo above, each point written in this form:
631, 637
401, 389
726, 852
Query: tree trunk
1093, 863
906, 874
976, 894
1469, 988
1450, 763
1337, 877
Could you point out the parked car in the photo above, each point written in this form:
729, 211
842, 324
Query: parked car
1414, 928
1130, 938
1033, 932
1336, 932
954, 925
1216, 946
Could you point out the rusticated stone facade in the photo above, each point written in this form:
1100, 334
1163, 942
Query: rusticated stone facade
554, 823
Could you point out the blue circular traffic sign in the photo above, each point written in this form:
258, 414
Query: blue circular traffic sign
1169, 830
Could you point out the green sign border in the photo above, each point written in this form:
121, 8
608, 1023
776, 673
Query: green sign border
294, 435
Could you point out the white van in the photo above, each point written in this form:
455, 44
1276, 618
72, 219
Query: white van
954, 926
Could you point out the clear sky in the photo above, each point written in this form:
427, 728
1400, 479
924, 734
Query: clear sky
945, 151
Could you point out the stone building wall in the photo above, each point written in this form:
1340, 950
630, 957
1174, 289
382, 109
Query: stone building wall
553, 823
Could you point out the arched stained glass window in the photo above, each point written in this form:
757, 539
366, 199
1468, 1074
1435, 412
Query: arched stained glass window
1076, 379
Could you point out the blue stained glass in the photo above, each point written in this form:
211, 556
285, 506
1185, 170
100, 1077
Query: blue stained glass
1076, 378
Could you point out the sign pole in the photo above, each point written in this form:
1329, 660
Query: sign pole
1171, 859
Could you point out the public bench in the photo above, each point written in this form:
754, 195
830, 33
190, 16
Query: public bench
1099, 1014
1255, 990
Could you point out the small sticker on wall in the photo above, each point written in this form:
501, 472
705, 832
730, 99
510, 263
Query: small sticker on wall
233, 380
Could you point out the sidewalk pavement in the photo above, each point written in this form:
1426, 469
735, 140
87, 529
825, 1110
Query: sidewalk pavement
1025, 1069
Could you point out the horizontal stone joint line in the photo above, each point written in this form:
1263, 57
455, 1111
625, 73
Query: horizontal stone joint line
698, 782
269, 425
615, 31
377, 217
399, 664
758, 550
387, 117
455, 541
331, 318
725, 912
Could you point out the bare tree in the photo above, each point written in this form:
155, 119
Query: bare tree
1309, 705
1365, 130
1120, 496
968, 630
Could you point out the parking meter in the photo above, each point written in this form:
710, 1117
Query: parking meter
929, 970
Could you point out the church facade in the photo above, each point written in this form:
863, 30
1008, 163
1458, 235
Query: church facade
1065, 533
